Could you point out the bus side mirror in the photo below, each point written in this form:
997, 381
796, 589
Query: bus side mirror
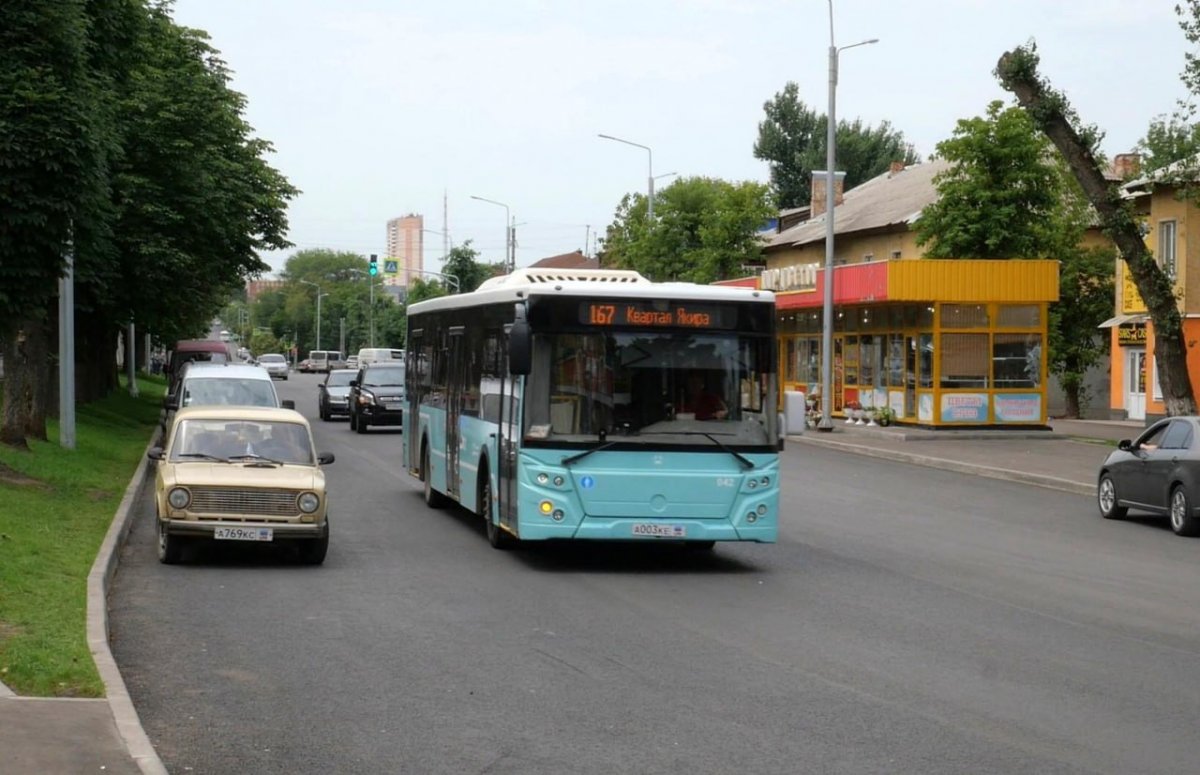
520, 345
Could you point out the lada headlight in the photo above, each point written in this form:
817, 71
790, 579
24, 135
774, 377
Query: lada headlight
179, 498
308, 502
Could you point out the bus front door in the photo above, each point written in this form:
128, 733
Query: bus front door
454, 397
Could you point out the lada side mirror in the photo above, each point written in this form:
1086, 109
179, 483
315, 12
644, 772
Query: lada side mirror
155, 453
171, 402
325, 458
353, 383
1125, 445
288, 403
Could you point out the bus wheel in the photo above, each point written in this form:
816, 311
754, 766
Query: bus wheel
433, 498
498, 538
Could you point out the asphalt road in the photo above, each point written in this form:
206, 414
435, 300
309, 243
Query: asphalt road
910, 620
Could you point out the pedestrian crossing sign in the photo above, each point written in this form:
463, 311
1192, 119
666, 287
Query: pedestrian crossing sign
391, 267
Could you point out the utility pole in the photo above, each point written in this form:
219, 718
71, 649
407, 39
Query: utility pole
66, 352
342, 336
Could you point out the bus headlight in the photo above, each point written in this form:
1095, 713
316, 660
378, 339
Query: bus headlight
179, 498
542, 478
762, 509
308, 502
558, 515
558, 481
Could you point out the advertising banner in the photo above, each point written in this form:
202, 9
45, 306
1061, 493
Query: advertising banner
1018, 407
964, 407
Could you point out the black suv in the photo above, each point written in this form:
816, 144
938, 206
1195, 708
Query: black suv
377, 396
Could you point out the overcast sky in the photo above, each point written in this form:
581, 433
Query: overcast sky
377, 107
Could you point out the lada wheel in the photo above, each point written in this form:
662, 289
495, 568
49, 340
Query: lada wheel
313, 550
361, 425
170, 547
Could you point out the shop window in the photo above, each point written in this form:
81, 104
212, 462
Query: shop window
1017, 360
850, 359
895, 318
965, 361
925, 316
896, 361
866, 367
1019, 316
789, 369
912, 315
895, 255
925, 346
964, 316
809, 354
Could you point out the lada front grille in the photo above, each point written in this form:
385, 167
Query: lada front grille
249, 504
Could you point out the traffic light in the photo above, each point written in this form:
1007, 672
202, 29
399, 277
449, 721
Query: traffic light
374, 268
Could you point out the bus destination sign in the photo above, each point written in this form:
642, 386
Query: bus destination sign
656, 314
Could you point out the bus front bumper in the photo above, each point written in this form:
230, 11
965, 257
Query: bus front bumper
634, 529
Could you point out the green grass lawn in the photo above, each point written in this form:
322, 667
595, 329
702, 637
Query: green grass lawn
51, 528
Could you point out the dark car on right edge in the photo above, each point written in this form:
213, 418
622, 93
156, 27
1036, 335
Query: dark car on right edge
377, 395
1158, 472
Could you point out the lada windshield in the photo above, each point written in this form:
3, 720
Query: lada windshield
339, 379
223, 440
650, 387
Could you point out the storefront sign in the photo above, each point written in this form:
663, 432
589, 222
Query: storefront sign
964, 407
1018, 407
1131, 334
1131, 300
802, 277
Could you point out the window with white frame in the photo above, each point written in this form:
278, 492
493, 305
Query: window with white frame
1166, 247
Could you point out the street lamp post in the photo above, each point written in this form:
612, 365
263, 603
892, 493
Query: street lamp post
649, 174
510, 261
319, 295
826, 423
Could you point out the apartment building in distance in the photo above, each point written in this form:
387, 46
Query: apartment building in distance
405, 248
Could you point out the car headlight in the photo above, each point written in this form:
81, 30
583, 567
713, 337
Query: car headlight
179, 498
365, 398
308, 502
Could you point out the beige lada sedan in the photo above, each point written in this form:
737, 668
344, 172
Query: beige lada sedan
240, 473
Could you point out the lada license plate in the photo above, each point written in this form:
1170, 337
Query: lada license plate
243, 534
659, 531
394, 407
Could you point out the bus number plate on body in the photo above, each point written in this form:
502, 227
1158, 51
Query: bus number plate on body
659, 531
243, 534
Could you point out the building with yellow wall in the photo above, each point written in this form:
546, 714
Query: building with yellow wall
942, 343
1172, 226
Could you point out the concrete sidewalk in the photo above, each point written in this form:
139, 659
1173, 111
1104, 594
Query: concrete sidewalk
1066, 457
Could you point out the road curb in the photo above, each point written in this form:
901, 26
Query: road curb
120, 704
1041, 480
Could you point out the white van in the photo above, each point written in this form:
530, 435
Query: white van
323, 361
376, 354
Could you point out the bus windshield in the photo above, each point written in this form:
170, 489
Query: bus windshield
652, 387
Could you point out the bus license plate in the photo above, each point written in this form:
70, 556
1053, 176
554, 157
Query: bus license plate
656, 530
243, 534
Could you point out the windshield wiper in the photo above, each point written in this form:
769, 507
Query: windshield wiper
745, 461
204, 456
566, 461
252, 456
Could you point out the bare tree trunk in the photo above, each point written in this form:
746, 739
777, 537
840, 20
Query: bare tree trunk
1017, 70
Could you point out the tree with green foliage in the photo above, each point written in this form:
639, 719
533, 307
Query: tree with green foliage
1169, 140
124, 144
420, 290
1053, 115
704, 230
53, 174
463, 264
792, 139
1007, 194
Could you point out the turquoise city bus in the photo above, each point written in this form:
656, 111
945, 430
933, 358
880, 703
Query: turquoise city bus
596, 404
